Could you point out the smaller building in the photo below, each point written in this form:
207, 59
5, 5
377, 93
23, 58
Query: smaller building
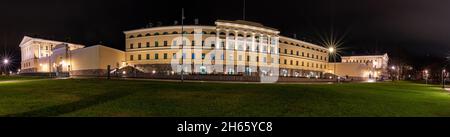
361, 67
48, 56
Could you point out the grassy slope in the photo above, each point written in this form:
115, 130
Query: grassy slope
90, 97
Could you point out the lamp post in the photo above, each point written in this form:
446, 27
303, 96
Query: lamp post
426, 76
5, 63
443, 78
332, 52
393, 72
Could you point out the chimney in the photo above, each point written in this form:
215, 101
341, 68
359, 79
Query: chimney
196, 21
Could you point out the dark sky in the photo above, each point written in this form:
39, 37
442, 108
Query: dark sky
406, 29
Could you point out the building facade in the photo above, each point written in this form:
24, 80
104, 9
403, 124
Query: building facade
235, 48
44, 56
366, 66
229, 47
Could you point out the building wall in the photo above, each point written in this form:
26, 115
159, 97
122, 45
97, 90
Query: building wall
350, 69
95, 59
142, 43
35, 53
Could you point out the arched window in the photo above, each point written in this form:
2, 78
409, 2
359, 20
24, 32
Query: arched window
131, 36
204, 32
175, 32
192, 32
148, 34
240, 35
222, 33
212, 33
140, 35
156, 33
231, 34
165, 33
185, 32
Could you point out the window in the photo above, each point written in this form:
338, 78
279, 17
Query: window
174, 55
165, 43
303, 63
307, 54
203, 43
303, 54
131, 57
165, 55
139, 57
156, 44
148, 44
297, 53
213, 56
139, 45
285, 61
193, 55
248, 58
292, 62
257, 58
193, 43
292, 52
285, 51
203, 55
213, 44
156, 56
131, 46
148, 57
296, 63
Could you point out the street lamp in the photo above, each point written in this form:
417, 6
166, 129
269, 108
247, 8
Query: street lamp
426, 76
5, 63
443, 78
393, 72
331, 49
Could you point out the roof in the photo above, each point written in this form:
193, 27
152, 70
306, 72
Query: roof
366, 55
27, 39
167, 27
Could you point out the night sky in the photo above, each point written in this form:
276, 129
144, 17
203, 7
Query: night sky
411, 31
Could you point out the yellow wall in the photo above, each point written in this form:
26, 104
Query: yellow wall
96, 57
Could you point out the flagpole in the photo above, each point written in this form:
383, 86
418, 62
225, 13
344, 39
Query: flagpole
182, 45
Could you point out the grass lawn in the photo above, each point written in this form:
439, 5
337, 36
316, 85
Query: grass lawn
95, 97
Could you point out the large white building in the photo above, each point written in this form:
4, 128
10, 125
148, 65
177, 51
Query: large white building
42, 56
235, 48
365, 66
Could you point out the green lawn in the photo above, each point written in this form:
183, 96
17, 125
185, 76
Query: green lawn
95, 97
